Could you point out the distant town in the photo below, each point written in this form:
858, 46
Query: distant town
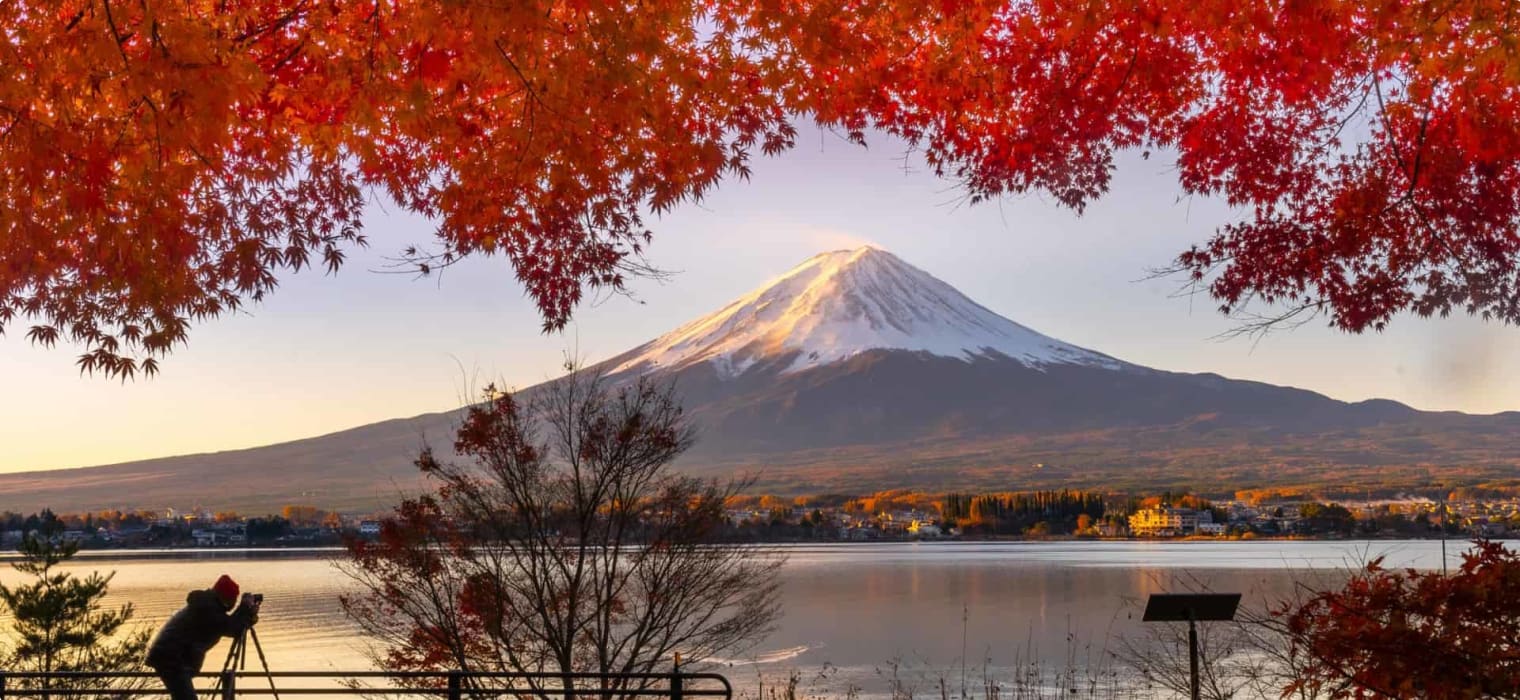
884, 516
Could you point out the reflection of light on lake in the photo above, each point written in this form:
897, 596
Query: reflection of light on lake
853, 606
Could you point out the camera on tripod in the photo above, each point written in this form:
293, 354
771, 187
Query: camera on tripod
237, 656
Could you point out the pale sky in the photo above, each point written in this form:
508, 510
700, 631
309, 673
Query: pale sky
324, 353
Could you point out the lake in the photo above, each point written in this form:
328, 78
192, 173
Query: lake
852, 611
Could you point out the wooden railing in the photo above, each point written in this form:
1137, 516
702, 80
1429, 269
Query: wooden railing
453, 685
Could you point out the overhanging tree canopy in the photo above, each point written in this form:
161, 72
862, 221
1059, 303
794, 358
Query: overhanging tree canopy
162, 163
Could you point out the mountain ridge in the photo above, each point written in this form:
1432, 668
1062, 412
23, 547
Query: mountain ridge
855, 371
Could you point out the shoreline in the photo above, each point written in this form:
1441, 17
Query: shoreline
192, 553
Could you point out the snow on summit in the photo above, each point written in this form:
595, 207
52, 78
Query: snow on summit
837, 304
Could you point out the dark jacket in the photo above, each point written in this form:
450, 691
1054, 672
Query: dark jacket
191, 632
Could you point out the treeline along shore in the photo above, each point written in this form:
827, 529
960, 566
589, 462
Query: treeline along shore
893, 515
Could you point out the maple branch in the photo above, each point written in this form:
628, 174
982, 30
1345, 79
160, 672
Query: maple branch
289, 56
155, 38
373, 20
1419, 155
1366, 87
116, 35
1129, 70
1257, 326
527, 84
15, 121
528, 114
284, 20
1194, 285
1393, 148
1411, 171
1409, 199
158, 131
74, 21
1098, 57
1443, 11
198, 155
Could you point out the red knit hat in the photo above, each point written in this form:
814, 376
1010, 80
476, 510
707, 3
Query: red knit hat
226, 589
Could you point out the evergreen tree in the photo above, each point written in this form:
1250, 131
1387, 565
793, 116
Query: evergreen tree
59, 623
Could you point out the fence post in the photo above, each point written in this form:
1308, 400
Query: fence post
456, 685
2, 685
229, 688
676, 689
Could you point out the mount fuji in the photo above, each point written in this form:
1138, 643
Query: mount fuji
857, 371
837, 305
858, 348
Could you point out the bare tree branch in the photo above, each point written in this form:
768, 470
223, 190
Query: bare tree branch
565, 546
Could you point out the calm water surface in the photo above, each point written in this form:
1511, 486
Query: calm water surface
854, 608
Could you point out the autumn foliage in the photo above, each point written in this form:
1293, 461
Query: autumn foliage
564, 544
165, 163
1414, 633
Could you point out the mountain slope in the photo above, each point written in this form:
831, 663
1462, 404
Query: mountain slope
838, 304
857, 371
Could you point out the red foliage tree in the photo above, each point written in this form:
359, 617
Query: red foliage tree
163, 163
564, 545
1407, 634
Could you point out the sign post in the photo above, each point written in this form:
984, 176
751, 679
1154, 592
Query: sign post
1192, 608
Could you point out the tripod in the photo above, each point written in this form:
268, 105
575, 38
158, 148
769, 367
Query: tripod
237, 660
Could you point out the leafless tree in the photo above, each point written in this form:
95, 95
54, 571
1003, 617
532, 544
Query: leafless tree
565, 545
1160, 657
1247, 657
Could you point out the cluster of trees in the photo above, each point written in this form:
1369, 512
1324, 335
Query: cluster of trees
893, 500
1320, 492
88, 522
90, 525
768, 501
1036, 512
311, 516
225, 150
1326, 518
116, 519
1169, 499
1384, 520
59, 623
149, 530
778, 518
781, 525
1484, 492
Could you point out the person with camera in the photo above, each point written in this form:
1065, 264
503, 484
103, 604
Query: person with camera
180, 647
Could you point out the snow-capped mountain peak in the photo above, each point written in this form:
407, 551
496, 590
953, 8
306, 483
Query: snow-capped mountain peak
838, 304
